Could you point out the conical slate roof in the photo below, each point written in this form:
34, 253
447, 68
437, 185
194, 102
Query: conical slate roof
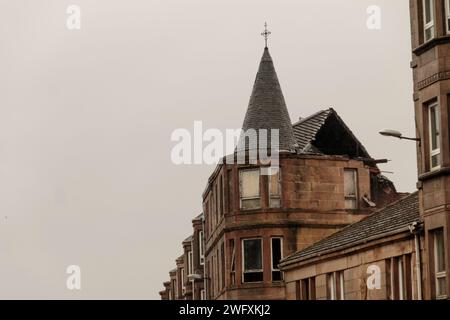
267, 108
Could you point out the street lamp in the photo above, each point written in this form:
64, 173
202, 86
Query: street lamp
396, 134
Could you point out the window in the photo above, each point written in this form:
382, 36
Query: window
230, 199
183, 287
202, 294
249, 189
428, 19
439, 264
351, 188
277, 255
275, 190
306, 289
435, 140
222, 265
399, 277
336, 286
201, 252
190, 267
331, 287
447, 15
233, 263
220, 196
252, 260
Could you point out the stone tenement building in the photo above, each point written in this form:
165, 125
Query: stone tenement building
327, 222
326, 181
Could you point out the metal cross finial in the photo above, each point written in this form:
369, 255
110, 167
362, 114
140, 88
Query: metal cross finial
266, 33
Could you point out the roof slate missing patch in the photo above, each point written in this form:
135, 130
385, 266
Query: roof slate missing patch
326, 133
392, 218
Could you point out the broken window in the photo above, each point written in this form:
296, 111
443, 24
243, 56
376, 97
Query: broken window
277, 255
435, 140
249, 189
428, 19
351, 189
252, 260
275, 190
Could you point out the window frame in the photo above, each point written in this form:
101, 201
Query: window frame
430, 25
331, 286
437, 151
439, 274
273, 197
272, 268
447, 16
241, 198
243, 261
190, 263
201, 252
354, 197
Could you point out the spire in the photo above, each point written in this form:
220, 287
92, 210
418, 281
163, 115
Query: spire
267, 108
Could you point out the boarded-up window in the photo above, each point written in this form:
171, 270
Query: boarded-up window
249, 189
275, 190
252, 260
351, 189
277, 255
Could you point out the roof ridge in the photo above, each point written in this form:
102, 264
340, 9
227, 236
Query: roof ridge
312, 116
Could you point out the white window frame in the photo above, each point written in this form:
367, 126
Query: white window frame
435, 152
354, 197
431, 24
201, 253
447, 15
441, 274
241, 198
243, 260
272, 269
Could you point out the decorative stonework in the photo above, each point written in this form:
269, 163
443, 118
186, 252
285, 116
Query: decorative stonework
444, 75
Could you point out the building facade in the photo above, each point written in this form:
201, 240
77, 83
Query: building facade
409, 254
253, 217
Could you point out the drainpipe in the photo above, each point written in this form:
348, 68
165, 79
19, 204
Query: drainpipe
414, 228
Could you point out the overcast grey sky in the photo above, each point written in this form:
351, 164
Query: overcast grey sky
86, 118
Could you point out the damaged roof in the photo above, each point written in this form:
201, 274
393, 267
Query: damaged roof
391, 219
326, 133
